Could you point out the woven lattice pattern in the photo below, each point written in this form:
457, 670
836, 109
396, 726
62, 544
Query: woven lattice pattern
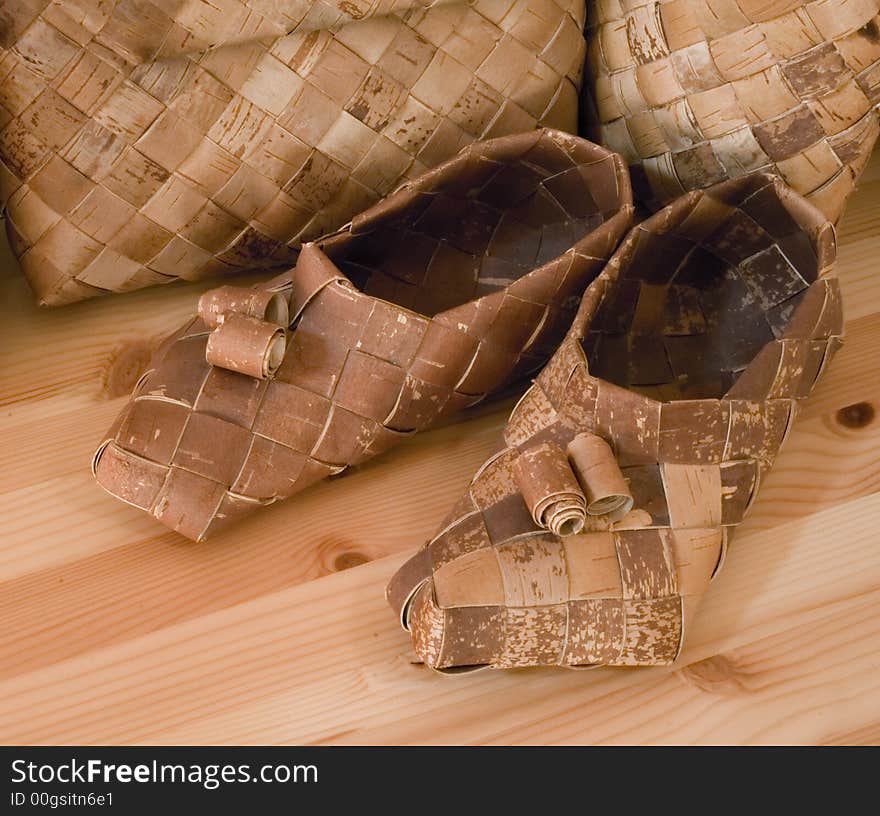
691, 92
436, 312
689, 355
142, 141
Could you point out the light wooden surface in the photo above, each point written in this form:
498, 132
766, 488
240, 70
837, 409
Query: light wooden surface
113, 630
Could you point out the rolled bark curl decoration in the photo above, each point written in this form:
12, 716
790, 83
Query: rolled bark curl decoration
550, 489
259, 303
599, 475
246, 345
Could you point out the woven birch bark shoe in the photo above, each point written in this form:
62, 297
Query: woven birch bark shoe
590, 537
462, 280
691, 92
145, 141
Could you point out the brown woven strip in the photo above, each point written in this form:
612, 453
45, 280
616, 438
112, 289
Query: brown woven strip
689, 357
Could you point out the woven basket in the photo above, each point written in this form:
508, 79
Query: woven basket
144, 141
648, 433
691, 92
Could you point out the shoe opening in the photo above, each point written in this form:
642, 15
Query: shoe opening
481, 221
703, 285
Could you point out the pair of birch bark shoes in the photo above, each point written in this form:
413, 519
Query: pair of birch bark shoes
145, 142
670, 360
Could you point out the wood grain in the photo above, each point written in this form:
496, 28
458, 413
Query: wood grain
113, 630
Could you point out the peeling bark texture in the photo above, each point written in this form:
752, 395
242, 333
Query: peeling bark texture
142, 142
693, 434
461, 281
246, 345
691, 93
550, 489
259, 303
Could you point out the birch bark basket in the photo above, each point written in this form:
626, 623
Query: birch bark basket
141, 143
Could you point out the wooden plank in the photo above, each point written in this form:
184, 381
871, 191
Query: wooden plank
857, 245
323, 662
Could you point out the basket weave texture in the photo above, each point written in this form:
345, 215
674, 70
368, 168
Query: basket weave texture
142, 141
691, 92
689, 357
441, 293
